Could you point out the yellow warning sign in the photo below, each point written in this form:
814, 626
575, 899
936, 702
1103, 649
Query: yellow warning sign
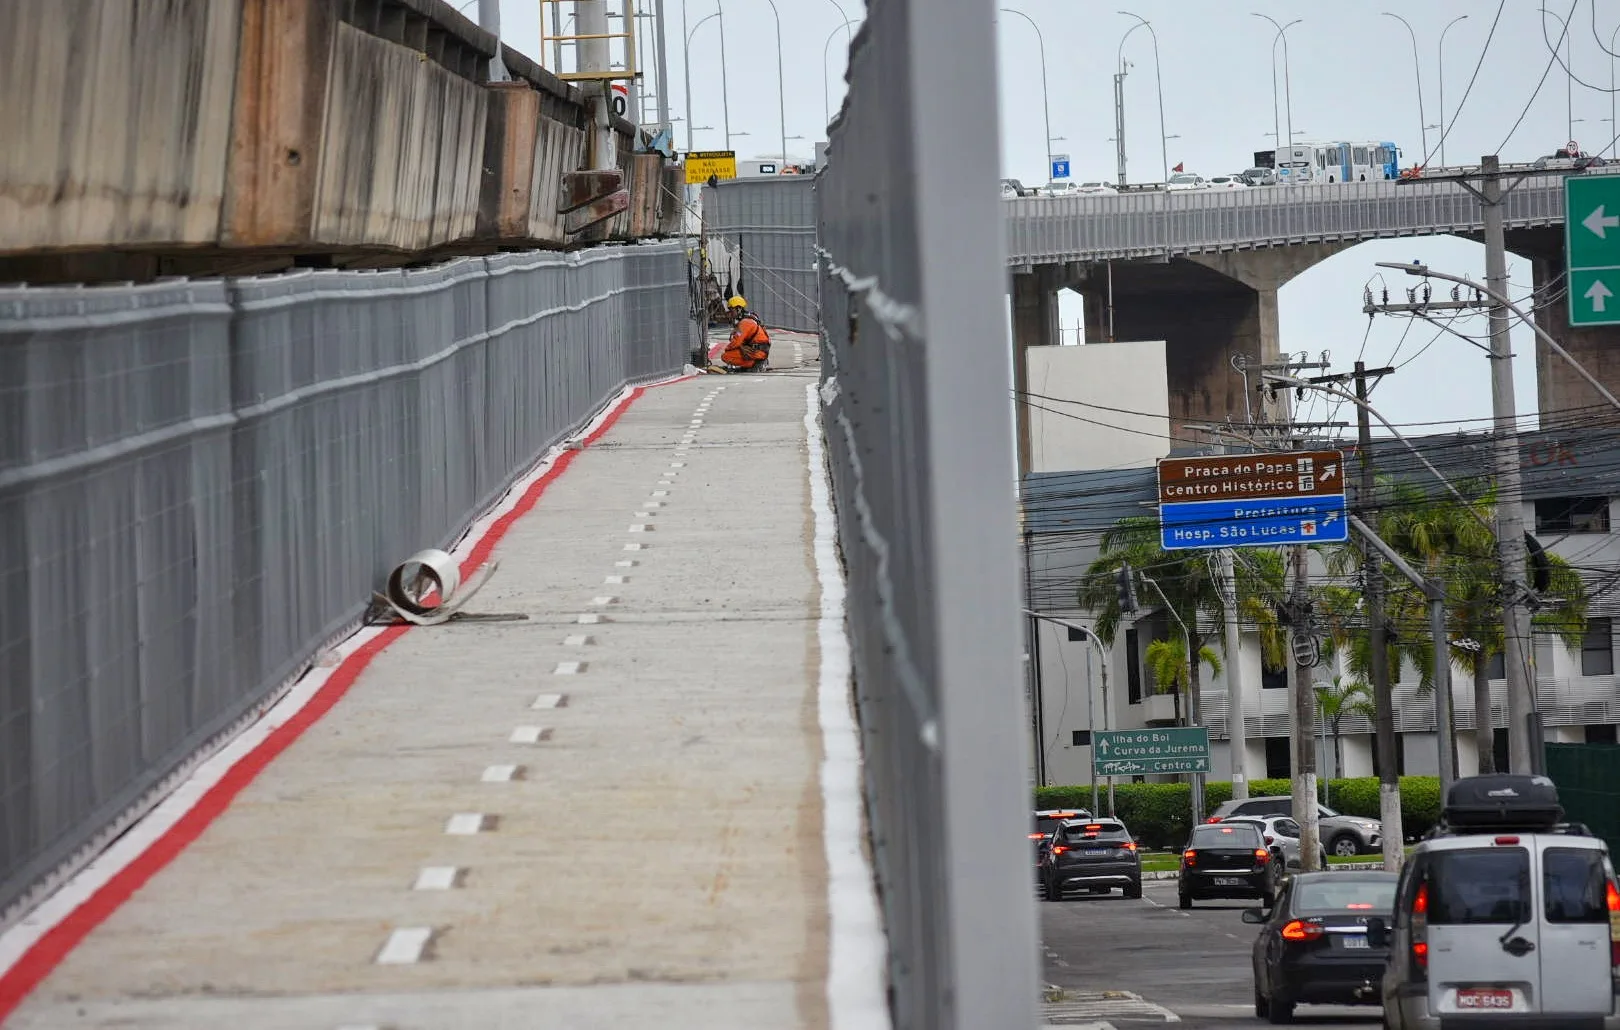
700, 164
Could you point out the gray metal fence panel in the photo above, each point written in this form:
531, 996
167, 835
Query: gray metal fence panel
201, 482
770, 223
914, 394
1133, 225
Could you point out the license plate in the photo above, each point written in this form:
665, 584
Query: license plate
1353, 941
1094, 852
1484, 998
1228, 881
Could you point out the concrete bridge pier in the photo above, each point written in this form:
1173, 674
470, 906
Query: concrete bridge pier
1208, 308
1563, 396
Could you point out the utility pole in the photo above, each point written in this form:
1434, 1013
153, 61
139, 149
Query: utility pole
1518, 657
1372, 565
1303, 709
1236, 731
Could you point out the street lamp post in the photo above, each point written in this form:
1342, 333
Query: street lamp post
1417, 72
1046, 108
781, 100
686, 62
1158, 86
1569, 72
826, 48
1614, 126
1441, 53
1288, 87
1087, 633
1120, 157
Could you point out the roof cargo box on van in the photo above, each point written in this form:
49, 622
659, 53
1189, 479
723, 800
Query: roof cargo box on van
1503, 802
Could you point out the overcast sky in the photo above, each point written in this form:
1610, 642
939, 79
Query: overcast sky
1351, 75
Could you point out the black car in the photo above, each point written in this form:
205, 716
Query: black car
1226, 860
1313, 944
1099, 854
1048, 820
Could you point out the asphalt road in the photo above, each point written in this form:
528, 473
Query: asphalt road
1193, 964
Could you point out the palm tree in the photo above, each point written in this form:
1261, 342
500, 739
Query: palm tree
1344, 698
1444, 540
1167, 661
1191, 590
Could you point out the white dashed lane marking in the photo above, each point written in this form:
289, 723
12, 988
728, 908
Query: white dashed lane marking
548, 701
529, 735
405, 946
436, 878
465, 824
500, 773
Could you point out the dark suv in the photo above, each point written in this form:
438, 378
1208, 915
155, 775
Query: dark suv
1096, 853
1226, 860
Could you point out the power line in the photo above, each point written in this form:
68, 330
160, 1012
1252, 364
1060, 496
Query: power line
1541, 82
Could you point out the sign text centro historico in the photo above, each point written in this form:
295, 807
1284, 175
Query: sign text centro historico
1251, 476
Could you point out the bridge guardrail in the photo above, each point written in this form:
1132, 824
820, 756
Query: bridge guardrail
1142, 225
201, 482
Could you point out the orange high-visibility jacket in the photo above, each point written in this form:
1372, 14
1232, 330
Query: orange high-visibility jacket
749, 344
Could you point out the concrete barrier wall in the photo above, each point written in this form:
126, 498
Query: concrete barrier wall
176, 137
401, 149
202, 481
115, 121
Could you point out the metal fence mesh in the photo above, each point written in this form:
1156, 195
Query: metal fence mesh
916, 407
767, 230
201, 482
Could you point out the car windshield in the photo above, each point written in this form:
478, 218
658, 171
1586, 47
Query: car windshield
1258, 173
1078, 833
1325, 812
1183, 178
1047, 822
1336, 893
1225, 835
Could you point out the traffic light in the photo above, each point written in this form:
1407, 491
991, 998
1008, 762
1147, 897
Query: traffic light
1125, 584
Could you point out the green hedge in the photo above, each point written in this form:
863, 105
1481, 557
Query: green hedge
1160, 814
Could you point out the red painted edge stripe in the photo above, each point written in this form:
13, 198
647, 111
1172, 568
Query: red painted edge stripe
48, 952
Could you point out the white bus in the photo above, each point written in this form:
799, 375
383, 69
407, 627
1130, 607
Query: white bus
1339, 161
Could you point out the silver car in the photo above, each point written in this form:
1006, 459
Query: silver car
1503, 929
1341, 835
1281, 835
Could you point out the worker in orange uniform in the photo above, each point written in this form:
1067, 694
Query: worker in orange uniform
750, 347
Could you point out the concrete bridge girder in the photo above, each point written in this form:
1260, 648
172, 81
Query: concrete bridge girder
1208, 308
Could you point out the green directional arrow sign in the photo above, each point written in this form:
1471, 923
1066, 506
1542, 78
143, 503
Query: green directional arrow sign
1592, 248
1182, 749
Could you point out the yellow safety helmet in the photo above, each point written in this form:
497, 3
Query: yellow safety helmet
736, 302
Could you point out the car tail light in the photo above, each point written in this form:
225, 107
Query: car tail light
1262, 856
1037, 836
1300, 930
1129, 845
1507, 840
1614, 926
1213, 819
1270, 839
1059, 850
1420, 932
1190, 856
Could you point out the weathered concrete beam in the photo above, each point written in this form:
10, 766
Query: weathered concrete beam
595, 212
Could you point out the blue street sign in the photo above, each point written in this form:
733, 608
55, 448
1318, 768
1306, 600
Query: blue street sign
1060, 166
1318, 519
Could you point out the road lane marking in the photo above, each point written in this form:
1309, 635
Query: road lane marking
405, 946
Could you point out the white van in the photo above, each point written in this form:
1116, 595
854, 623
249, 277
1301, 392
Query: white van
1504, 925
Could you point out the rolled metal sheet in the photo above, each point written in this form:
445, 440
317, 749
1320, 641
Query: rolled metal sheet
424, 582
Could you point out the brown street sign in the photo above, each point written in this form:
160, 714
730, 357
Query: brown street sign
1237, 477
